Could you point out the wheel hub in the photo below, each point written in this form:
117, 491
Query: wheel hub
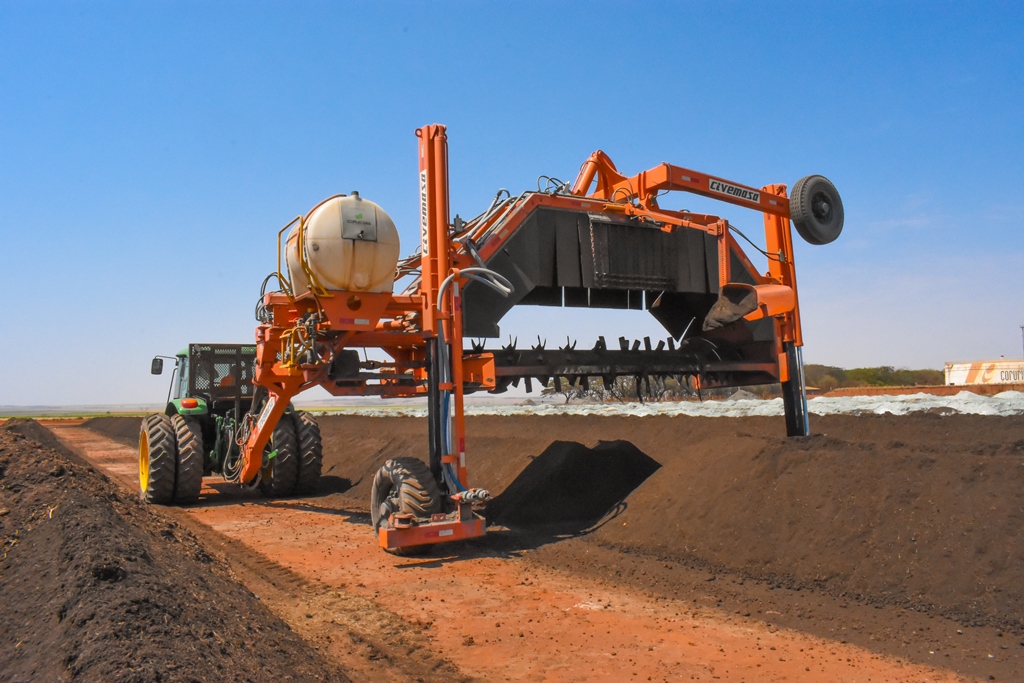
821, 209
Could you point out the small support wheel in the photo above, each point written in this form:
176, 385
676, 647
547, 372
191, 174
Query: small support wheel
310, 452
816, 209
189, 438
279, 473
157, 455
404, 486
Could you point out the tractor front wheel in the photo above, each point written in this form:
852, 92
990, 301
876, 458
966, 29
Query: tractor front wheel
157, 454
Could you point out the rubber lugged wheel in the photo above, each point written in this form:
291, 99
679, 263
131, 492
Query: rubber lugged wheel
816, 209
277, 478
403, 485
189, 437
311, 452
157, 455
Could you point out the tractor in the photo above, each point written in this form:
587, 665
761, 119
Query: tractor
197, 434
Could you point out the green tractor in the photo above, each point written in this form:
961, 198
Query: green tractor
197, 434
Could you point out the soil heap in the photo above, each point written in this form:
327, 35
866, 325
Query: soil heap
97, 587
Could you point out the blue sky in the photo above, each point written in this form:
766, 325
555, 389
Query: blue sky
149, 152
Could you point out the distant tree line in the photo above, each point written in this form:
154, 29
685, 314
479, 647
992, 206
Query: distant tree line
822, 377
828, 377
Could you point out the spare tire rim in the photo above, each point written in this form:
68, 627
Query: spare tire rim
821, 207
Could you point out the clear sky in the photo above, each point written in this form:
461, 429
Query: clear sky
150, 151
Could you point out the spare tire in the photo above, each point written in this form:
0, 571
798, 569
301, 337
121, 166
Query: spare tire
816, 209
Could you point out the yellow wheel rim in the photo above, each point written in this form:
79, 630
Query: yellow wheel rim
144, 462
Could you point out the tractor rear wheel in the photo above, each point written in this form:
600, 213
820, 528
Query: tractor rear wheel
189, 437
816, 209
157, 454
311, 452
405, 486
277, 478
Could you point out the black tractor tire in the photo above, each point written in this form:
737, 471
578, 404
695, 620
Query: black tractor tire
404, 485
157, 456
189, 437
311, 452
816, 209
277, 478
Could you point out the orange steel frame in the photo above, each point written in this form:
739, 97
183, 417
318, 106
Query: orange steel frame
295, 346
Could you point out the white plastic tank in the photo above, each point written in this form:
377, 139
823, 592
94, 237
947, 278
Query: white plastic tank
350, 245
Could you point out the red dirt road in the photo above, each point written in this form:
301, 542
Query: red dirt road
493, 613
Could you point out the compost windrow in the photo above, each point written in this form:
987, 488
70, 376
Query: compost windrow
95, 586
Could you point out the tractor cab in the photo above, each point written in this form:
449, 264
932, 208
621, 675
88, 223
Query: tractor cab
209, 378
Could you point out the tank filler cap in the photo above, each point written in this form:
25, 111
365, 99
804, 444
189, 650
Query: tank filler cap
355, 194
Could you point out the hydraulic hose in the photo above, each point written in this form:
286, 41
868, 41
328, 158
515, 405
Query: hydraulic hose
492, 279
498, 283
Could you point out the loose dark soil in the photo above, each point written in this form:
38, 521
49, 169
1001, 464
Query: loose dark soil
876, 529
924, 511
96, 587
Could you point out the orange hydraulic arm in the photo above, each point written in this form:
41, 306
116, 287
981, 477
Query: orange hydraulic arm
645, 186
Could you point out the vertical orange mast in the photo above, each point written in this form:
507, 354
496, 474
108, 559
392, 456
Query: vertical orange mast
442, 312
434, 244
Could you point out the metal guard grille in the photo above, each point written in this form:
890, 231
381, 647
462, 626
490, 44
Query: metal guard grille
221, 372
